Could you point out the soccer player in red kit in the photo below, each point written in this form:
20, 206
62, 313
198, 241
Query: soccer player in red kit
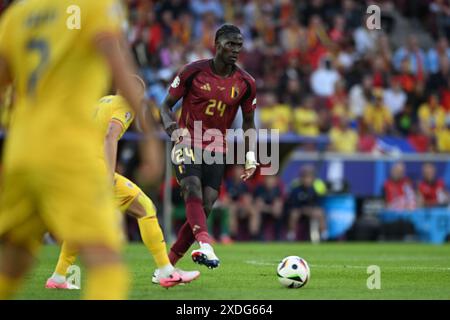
212, 91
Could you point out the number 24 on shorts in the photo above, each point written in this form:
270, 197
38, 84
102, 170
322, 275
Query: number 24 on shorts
180, 155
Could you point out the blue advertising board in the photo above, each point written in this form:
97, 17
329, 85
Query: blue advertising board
432, 224
340, 211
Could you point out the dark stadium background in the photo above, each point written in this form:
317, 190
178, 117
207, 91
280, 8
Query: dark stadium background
319, 73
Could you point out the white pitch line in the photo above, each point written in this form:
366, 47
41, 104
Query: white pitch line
338, 266
260, 263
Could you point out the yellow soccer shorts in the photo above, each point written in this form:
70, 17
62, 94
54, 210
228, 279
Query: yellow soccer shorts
74, 203
125, 192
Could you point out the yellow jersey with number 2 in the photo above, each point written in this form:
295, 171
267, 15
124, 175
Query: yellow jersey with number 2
58, 76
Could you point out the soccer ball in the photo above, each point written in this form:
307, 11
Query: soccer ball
293, 272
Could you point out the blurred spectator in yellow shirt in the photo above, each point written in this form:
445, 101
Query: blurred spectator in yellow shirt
431, 115
443, 138
274, 115
377, 116
343, 138
340, 106
306, 119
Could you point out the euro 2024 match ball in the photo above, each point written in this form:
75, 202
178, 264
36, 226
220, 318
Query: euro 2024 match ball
293, 272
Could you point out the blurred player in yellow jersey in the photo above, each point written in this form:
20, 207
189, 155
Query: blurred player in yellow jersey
60, 56
114, 116
5, 106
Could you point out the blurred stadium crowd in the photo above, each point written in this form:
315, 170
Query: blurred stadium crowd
320, 72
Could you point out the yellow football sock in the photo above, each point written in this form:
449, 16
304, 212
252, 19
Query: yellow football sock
8, 287
151, 233
107, 282
67, 257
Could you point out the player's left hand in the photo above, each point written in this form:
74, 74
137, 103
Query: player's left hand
250, 165
248, 173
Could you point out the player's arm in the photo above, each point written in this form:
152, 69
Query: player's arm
121, 65
103, 30
152, 151
5, 82
248, 106
5, 75
178, 89
111, 144
248, 125
168, 117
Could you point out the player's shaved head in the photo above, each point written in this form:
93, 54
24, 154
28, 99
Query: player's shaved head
225, 30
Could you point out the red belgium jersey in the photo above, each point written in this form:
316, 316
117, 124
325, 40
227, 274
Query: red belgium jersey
430, 191
399, 195
210, 102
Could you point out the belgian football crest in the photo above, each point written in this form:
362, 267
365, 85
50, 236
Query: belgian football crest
234, 92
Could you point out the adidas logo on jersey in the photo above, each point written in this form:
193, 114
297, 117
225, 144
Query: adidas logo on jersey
206, 87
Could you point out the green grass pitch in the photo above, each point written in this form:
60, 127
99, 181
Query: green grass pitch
248, 271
